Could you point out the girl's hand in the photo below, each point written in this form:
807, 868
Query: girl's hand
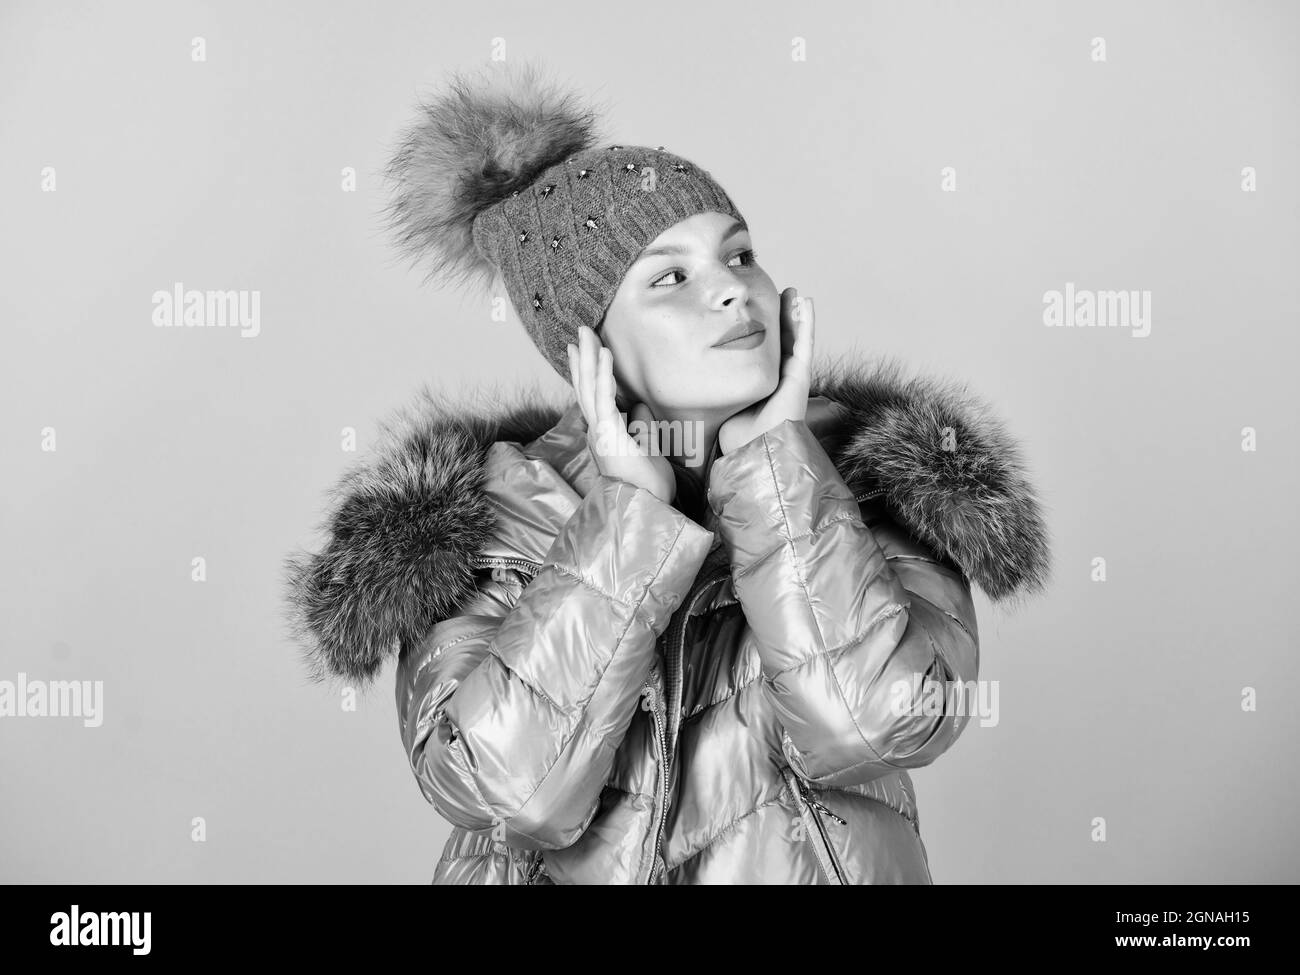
617, 453
790, 399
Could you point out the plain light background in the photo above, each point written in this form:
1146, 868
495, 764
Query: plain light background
1118, 699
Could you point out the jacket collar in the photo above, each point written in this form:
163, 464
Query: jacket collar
455, 485
557, 470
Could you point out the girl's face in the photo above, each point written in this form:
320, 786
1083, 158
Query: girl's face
692, 285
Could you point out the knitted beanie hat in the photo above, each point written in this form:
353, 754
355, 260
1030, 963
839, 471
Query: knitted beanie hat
503, 173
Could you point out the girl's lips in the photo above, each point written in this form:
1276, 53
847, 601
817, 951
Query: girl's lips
750, 340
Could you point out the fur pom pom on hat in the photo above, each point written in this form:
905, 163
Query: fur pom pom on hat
503, 172
487, 137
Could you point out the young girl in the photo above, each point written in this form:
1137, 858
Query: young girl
682, 630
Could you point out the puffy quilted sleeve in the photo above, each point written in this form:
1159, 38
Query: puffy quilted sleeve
511, 712
843, 619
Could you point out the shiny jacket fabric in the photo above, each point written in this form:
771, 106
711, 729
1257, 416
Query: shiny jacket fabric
595, 686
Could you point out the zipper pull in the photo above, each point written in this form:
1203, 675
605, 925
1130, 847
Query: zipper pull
535, 870
813, 801
648, 698
823, 807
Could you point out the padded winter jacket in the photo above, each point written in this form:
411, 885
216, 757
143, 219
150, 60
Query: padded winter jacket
596, 686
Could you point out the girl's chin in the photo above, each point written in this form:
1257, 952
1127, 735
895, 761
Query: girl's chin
744, 381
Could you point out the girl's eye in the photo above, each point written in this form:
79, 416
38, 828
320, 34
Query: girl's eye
746, 258
659, 281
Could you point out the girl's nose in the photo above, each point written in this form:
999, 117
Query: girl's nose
731, 291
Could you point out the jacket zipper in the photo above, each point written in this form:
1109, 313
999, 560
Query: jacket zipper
674, 665
648, 704
810, 808
673, 681
535, 870
486, 562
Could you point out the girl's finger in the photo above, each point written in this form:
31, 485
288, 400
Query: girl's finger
574, 379
606, 410
587, 372
803, 342
790, 310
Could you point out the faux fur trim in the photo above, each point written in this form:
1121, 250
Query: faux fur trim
405, 524
951, 472
402, 529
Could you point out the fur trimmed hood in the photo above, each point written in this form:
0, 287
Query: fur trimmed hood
405, 525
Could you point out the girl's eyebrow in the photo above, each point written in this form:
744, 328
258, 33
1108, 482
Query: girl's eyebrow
735, 228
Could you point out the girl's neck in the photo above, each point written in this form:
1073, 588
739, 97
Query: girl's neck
692, 444
692, 450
